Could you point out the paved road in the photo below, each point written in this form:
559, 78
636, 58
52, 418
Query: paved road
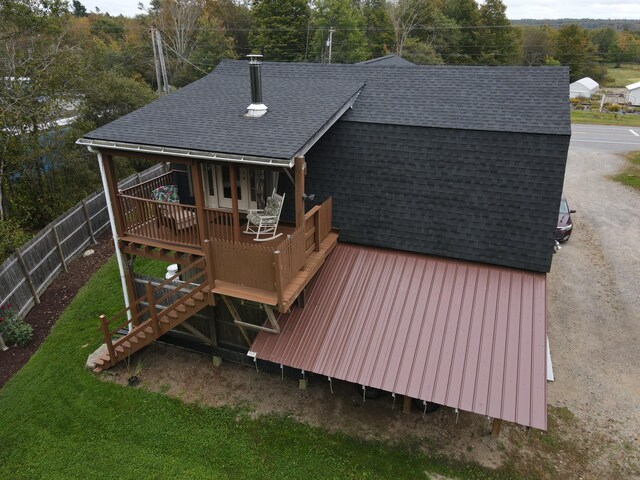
604, 138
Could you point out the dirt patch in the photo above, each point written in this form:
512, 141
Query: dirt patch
52, 303
192, 378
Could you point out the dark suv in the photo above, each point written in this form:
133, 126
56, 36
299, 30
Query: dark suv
565, 224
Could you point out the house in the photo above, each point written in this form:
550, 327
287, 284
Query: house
391, 60
633, 94
583, 88
417, 229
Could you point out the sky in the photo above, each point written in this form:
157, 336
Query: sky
542, 9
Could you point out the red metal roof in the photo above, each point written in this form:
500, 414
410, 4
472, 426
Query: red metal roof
466, 335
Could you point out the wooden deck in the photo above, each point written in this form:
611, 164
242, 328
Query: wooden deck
154, 235
292, 290
273, 272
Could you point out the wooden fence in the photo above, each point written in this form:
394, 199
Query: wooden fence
26, 274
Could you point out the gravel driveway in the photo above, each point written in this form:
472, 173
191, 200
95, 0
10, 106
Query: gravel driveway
594, 301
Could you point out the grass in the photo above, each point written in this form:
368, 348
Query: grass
150, 267
58, 421
627, 74
628, 120
631, 174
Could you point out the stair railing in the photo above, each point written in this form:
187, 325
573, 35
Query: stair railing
150, 309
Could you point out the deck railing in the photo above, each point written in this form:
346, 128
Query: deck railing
317, 225
167, 222
137, 314
144, 189
270, 268
219, 223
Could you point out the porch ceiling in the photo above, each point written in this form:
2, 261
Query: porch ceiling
466, 335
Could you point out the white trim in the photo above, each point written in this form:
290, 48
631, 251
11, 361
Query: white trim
182, 152
112, 221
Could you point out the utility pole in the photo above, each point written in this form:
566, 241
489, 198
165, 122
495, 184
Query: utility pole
330, 41
163, 66
156, 64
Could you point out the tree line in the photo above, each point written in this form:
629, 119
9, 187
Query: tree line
59, 60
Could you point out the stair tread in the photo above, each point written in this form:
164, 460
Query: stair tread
165, 319
198, 296
190, 302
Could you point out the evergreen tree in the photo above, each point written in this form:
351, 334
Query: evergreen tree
79, 10
466, 16
379, 30
499, 43
280, 29
349, 43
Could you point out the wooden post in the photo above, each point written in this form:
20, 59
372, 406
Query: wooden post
151, 300
406, 404
277, 265
54, 229
317, 223
27, 276
129, 281
233, 177
496, 425
88, 218
299, 191
107, 337
208, 261
112, 185
198, 192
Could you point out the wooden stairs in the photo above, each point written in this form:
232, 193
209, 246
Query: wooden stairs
149, 322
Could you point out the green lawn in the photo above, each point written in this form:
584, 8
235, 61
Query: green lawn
58, 421
630, 175
628, 120
627, 74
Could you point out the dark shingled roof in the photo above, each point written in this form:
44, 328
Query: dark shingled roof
388, 60
501, 99
208, 114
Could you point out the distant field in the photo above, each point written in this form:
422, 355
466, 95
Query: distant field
627, 74
605, 118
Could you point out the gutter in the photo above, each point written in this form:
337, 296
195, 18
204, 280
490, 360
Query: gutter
185, 153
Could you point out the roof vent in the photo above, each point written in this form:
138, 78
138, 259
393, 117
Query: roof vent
257, 108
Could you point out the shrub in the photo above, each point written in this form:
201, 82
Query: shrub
613, 107
14, 330
11, 237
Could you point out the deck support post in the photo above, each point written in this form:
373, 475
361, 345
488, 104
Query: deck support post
198, 192
496, 425
299, 190
112, 185
406, 404
211, 274
129, 282
233, 177
151, 300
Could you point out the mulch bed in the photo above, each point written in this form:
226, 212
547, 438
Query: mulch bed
53, 302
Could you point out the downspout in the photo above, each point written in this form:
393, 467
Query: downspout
112, 221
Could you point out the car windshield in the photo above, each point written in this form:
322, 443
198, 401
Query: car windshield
564, 208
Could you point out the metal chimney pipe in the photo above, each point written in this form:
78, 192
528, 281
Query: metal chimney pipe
257, 108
